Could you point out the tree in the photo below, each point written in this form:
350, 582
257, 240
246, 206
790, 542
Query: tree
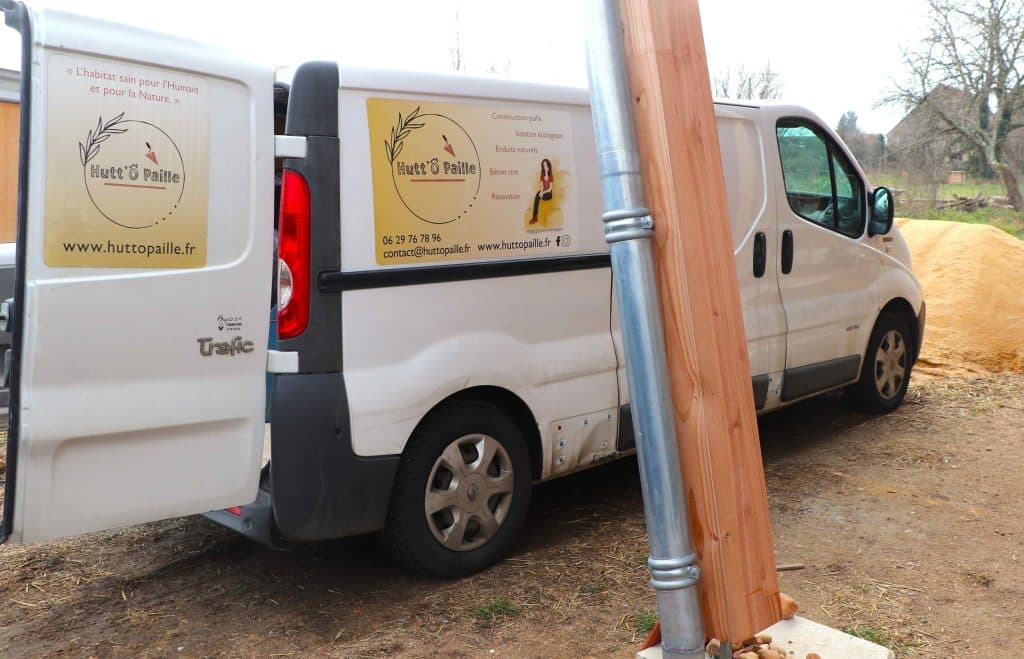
867, 148
848, 124
974, 47
456, 48
459, 59
760, 85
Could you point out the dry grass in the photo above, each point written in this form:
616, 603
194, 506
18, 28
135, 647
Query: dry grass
856, 601
578, 582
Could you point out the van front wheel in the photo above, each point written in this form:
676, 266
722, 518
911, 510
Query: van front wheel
885, 375
461, 492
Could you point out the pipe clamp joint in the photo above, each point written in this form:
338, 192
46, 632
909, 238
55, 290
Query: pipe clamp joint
627, 224
674, 573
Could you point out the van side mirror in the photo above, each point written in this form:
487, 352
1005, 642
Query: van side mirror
882, 209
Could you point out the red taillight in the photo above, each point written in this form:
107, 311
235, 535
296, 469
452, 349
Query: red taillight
234, 510
293, 256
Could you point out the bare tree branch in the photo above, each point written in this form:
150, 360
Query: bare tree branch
762, 85
966, 80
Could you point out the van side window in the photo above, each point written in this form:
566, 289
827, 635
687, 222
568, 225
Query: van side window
849, 196
821, 185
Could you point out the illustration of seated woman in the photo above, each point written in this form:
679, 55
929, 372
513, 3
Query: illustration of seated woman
547, 181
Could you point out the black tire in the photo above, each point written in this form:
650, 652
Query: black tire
867, 394
410, 535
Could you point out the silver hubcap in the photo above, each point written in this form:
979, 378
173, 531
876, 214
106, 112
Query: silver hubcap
469, 492
890, 365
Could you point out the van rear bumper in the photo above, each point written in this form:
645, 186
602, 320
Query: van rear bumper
255, 522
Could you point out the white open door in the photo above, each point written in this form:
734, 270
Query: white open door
144, 273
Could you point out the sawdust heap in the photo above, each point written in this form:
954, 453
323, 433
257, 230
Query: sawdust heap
973, 279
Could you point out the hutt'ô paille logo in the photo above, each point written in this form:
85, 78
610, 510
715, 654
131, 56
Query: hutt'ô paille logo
133, 172
435, 166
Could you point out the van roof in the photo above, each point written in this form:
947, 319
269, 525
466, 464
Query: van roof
738, 103
460, 84
465, 85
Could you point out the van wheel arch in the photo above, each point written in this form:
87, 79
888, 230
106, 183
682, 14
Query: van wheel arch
438, 522
509, 403
901, 307
881, 392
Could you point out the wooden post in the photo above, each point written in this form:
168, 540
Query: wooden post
9, 183
705, 341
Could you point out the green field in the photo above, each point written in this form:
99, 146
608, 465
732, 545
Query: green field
1008, 220
918, 201
925, 191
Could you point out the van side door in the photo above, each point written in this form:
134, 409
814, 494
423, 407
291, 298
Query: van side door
826, 273
754, 228
143, 265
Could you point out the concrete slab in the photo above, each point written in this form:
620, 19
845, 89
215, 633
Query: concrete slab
800, 636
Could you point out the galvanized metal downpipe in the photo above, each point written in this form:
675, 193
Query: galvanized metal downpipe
628, 229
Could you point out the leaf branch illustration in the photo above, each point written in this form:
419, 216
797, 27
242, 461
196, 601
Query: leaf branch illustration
91, 147
399, 132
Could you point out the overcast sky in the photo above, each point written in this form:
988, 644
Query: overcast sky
832, 55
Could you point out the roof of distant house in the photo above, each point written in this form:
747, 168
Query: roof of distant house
924, 119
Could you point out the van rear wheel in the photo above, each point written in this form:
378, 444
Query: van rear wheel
885, 375
461, 492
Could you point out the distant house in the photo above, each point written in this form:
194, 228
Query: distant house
924, 143
9, 98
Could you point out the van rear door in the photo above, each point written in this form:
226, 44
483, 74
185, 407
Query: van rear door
143, 278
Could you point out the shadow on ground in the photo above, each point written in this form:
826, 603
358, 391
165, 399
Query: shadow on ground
189, 584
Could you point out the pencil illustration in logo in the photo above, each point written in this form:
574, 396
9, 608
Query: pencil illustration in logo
435, 188
123, 188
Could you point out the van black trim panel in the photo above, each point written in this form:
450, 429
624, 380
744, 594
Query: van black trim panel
313, 100
806, 380
16, 16
313, 113
336, 282
760, 385
626, 438
319, 487
921, 318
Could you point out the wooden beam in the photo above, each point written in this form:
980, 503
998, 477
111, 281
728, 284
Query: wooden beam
705, 341
9, 122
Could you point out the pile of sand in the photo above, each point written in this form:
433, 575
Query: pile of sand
973, 279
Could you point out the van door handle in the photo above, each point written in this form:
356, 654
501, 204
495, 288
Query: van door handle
787, 252
760, 254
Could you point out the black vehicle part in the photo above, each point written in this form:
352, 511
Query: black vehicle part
321, 488
16, 16
313, 114
760, 254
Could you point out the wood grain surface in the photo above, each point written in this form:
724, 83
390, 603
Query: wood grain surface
705, 341
9, 176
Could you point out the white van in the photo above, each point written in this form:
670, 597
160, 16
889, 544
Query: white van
448, 331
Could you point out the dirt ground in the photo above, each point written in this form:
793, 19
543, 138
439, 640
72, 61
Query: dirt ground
910, 527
